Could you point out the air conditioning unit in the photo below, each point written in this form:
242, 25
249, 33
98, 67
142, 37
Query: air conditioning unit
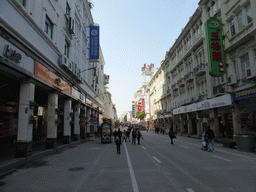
250, 73
71, 25
232, 79
64, 61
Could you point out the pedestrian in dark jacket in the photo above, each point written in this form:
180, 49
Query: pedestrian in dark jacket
134, 135
138, 136
209, 135
172, 136
118, 137
128, 135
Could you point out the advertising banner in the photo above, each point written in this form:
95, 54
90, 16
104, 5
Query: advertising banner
215, 47
143, 104
245, 93
139, 107
94, 43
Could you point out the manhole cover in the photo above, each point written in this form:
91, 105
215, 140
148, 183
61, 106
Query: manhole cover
76, 169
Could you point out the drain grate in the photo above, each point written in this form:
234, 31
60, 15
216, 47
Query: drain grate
76, 169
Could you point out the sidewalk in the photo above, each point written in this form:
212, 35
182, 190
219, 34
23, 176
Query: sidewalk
9, 163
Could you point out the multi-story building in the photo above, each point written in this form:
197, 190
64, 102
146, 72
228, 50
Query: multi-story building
48, 85
193, 97
156, 85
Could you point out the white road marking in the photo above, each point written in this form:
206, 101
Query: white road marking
157, 159
222, 158
143, 147
184, 146
190, 190
134, 182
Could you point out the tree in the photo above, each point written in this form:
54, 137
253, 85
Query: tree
116, 124
141, 115
125, 118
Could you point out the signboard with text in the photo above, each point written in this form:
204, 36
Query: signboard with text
215, 47
94, 43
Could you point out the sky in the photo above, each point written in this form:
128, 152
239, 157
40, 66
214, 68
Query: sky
134, 32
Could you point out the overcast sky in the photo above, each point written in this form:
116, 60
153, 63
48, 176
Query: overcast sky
134, 32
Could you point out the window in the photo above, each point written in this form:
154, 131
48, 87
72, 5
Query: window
48, 27
245, 65
249, 13
22, 2
67, 14
66, 51
240, 21
232, 27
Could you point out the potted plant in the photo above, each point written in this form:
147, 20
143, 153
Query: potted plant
245, 138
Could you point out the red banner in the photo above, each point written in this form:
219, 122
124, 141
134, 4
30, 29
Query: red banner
139, 106
143, 104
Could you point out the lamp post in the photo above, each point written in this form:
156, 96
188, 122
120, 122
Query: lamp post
87, 69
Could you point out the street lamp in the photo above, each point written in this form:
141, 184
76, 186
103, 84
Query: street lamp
87, 69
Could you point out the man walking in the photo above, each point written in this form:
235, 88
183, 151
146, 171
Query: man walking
134, 135
128, 135
172, 136
118, 137
138, 136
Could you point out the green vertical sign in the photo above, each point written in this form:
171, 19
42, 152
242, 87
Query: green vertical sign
215, 47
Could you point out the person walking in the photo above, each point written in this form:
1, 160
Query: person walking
139, 135
172, 136
209, 135
134, 135
128, 135
118, 141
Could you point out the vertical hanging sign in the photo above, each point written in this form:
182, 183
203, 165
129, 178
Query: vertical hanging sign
94, 43
215, 47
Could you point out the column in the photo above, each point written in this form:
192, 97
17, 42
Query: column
67, 119
51, 119
190, 128
76, 122
236, 122
25, 123
88, 116
199, 128
215, 123
181, 124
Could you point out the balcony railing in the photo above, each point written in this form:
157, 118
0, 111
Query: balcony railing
188, 77
174, 86
200, 69
180, 82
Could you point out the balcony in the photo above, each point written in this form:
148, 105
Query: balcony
190, 85
188, 77
181, 82
200, 69
174, 86
218, 90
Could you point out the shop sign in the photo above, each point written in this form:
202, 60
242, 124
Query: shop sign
12, 54
216, 55
133, 110
51, 78
245, 93
78, 95
94, 43
203, 105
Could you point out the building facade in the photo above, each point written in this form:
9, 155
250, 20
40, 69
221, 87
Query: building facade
192, 99
48, 84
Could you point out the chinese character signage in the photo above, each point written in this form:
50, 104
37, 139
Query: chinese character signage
139, 107
216, 56
133, 110
94, 42
245, 93
143, 104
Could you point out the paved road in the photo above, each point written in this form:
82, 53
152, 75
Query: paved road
155, 165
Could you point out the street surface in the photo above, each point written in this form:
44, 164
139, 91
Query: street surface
154, 165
